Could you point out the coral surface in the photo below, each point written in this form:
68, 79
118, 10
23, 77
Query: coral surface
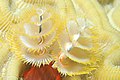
59, 40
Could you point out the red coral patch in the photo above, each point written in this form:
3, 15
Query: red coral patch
43, 73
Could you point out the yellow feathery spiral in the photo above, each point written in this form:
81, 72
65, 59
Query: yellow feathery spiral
85, 47
80, 55
83, 38
31, 40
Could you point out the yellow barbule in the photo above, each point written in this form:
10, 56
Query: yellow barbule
37, 33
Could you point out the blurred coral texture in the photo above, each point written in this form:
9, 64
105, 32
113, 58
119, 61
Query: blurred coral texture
59, 40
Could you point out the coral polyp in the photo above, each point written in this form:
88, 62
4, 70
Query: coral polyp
59, 40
